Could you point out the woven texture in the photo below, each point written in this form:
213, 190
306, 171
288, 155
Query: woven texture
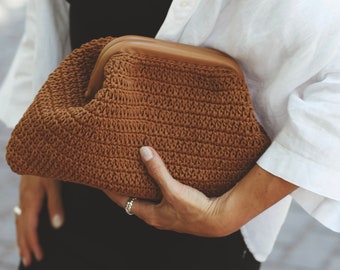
199, 119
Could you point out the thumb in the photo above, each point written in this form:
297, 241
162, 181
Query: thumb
54, 203
158, 170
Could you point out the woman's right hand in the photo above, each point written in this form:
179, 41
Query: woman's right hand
33, 191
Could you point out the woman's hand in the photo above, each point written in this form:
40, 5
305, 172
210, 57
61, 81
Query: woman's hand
182, 209
186, 210
33, 191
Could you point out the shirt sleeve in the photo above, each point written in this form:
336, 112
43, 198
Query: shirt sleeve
43, 45
306, 151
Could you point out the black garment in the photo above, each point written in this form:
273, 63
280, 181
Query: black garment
100, 18
99, 235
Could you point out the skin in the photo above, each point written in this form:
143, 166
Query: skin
33, 191
187, 210
182, 209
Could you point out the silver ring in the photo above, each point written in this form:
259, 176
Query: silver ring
17, 210
129, 204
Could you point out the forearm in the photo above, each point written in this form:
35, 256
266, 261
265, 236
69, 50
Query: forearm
256, 192
186, 210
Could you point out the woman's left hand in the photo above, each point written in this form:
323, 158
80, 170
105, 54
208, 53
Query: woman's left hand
182, 209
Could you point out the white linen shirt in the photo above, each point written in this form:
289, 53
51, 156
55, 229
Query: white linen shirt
289, 52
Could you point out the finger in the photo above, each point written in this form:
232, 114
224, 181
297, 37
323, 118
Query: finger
145, 210
27, 236
31, 199
55, 204
24, 251
121, 200
158, 170
31, 234
140, 208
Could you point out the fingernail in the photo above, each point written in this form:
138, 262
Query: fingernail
57, 221
146, 153
24, 261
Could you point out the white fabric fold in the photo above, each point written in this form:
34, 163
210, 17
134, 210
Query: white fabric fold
44, 44
290, 53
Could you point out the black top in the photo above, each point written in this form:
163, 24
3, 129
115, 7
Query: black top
100, 18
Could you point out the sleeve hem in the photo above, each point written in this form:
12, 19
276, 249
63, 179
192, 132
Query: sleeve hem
303, 172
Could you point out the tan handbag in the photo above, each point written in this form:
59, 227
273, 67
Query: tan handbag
114, 95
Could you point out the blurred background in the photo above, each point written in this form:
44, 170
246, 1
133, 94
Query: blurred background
303, 243
12, 13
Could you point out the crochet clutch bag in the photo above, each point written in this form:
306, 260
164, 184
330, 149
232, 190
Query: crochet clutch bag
114, 95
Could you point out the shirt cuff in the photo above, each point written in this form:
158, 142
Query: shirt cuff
303, 172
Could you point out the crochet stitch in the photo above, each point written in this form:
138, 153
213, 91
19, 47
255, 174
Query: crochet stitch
198, 117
